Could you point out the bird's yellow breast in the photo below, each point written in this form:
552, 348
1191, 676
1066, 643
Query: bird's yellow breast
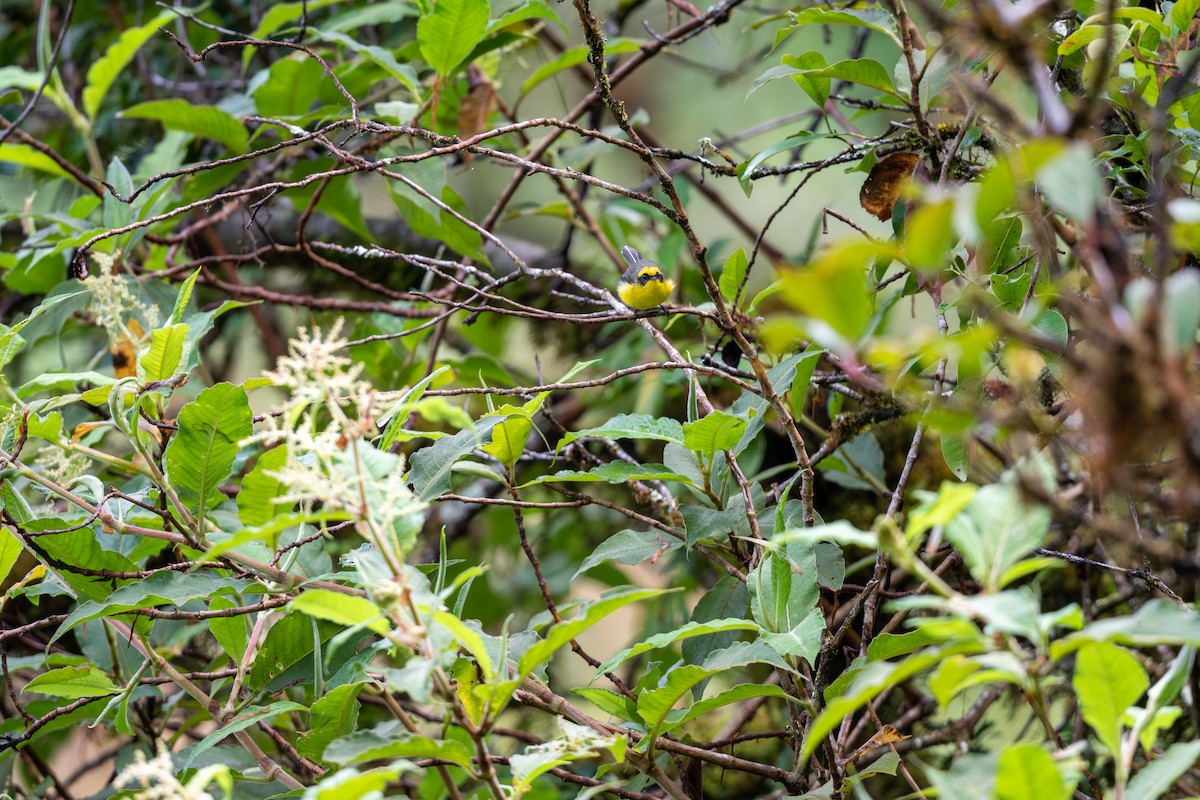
646, 288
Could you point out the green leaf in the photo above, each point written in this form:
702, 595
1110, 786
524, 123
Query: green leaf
1108, 680
289, 649
1182, 14
1154, 779
615, 472
160, 589
688, 631
579, 743
165, 354
105, 70
997, 529
1025, 770
380, 56
956, 452
25, 156
342, 609
73, 683
208, 122
929, 235
508, 439
816, 86
200, 455
738, 693
430, 467
577, 55
567, 630
876, 19
733, 273
10, 550
630, 426
333, 716
290, 88
863, 71
833, 289
429, 219
182, 298
938, 509
256, 500
230, 632
450, 33
1071, 184
363, 746
249, 717
713, 433
628, 547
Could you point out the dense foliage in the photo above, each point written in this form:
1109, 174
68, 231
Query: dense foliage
331, 466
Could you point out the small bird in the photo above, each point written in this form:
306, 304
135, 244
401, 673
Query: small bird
643, 285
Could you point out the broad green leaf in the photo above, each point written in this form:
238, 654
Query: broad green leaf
738, 693
997, 529
1182, 14
430, 467
577, 55
73, 683
450, 33
25, 156
256, 500
713, 433
615, 472
230, 632
630, 426
956, 452
579, 742
938, 509
628, 547
833, 289
1154, 779
208, 122
104, 71
381, 56
289, 649
470, 640
333, 716
429, 219
341, 608
1025, 770
610, 702
929, 235
816, 86
281, 14
1108, 680
250, 717
164, 355
363, 746
688, 631
733, 273
876, 19
10, 550
728, 599
863, 71
567, 630
160, 589
508, 439
290, 88
200, 455
1071, 183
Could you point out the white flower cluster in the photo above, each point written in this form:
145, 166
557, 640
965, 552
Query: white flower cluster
326, 423
113, 305
157, 781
